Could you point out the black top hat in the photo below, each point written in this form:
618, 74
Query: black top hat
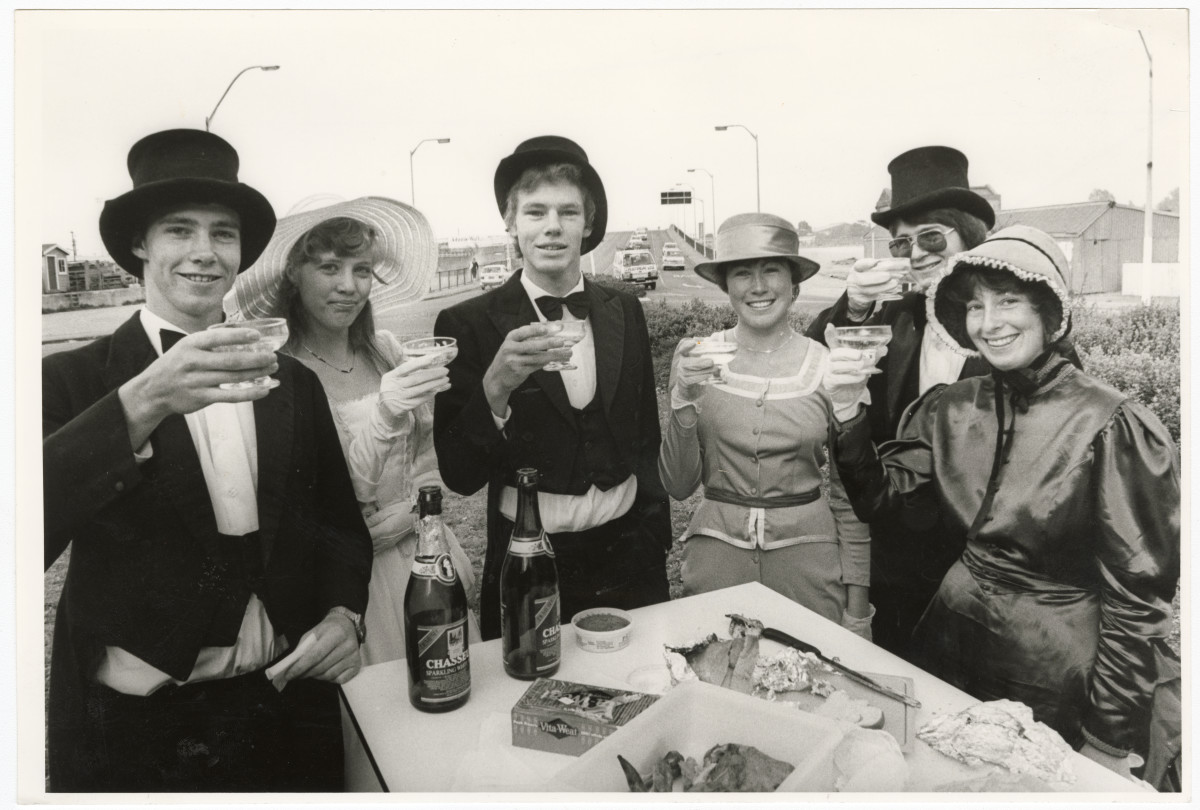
931, 177
178, 167
546, 149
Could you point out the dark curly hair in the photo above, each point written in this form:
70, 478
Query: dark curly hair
957, 290
970, 228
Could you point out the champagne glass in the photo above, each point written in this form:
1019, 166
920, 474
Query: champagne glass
272, 334
921, 279
867, 339
571, 332
901, 270
720, 351
444, 349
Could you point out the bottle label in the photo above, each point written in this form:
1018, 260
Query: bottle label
445, 661
548, 632
528, 546
426, 567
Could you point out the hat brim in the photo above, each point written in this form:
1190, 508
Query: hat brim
406, 245
123, 217
511, 167
961, 198
712, 271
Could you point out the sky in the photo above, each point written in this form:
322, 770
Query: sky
1047, 104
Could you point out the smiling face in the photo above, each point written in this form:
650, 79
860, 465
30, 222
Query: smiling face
332, 289
1005, 327
929, 266
191, 256
761, 292
549, 225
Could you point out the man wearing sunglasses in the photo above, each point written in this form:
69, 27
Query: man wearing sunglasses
934, 214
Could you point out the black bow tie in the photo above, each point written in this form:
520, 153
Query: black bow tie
169, 338
552, 306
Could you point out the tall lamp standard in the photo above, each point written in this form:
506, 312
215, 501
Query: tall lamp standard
691, 206
1148, 240
213, 114
712, 196
412, 183
757, 186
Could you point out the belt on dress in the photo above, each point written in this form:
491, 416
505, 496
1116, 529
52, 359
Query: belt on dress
773, 502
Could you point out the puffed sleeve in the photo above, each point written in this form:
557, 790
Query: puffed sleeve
1136, 480
883, 481
680, 460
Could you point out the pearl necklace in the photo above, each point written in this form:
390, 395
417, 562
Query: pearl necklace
769, 351
326, 362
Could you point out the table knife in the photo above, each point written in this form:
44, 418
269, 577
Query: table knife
791, 641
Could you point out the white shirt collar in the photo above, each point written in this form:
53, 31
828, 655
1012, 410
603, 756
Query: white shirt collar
152, 324
535, 292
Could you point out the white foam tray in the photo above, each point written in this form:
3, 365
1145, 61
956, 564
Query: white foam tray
695, 716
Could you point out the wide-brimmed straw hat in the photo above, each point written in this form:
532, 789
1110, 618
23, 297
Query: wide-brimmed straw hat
930, 177
1028, 253
405, 244
744, 237
179, 167
545, 150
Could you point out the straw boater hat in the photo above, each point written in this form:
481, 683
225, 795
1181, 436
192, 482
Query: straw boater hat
1027, 253
931, 177
180, 167
404, 241
543, 151
744, 237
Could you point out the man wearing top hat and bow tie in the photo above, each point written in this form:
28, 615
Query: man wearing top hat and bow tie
212, 531
592, 432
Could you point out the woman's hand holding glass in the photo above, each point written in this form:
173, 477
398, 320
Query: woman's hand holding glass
847, 374
411, 384
874, 280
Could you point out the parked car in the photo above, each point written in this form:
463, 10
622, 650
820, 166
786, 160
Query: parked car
669, 247
493, 275
672, 260
635, 266
639, 240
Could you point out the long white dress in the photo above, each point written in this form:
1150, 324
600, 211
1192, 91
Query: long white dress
387, 466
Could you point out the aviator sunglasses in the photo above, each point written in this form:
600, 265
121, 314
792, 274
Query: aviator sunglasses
931, 240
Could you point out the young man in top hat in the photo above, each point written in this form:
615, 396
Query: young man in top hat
591, 432
211, 530
933, 215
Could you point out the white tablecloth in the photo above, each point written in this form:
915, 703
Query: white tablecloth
470, 750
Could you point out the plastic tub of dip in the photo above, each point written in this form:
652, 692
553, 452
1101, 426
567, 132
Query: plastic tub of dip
602, 629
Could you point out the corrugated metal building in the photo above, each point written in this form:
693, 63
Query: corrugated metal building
1099, 237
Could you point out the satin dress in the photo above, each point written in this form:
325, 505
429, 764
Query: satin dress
1067, 493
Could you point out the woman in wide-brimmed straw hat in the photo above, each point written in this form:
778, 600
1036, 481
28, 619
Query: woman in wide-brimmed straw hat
1065, 491
755, 440
327, 270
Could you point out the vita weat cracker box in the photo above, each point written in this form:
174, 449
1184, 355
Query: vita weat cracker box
564, 717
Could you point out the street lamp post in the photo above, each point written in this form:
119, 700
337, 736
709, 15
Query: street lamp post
691, 207
1148, 239
412, 183
712, 196
757, 186
213, 114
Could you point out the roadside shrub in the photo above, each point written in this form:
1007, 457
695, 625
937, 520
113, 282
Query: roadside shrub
1141, 330
624, 286
1151, 379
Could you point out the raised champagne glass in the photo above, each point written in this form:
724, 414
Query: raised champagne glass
444, 349
272, 334
571, 332
867, 339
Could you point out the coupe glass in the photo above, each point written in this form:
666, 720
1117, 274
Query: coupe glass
445, 349
720, 351
571, 332
867, 339
272, 333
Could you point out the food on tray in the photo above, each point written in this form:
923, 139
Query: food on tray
840, 706
790, 670
727, 768
1004, 733
869, 762
724, 662
602, 622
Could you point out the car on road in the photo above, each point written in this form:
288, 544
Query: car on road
639, 240
493, 275
672, 260
635, 266
670, 247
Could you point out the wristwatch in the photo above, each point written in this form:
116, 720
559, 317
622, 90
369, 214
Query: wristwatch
360, 629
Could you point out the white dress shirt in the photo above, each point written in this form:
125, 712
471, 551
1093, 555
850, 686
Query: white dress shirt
572, 513
225, 440
939, 363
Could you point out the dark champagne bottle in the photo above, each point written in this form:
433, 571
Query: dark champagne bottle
529, 607
435, 617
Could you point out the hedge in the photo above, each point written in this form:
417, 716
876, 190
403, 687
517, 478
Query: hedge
1134, 350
